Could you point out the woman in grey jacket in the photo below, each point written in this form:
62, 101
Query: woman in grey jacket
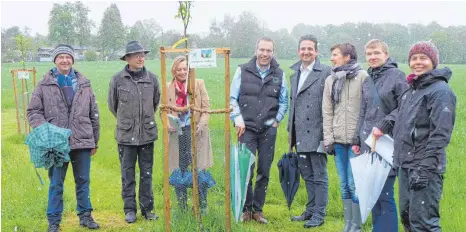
380, 94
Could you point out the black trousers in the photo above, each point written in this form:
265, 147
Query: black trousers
420, 209
144, 154
264, 144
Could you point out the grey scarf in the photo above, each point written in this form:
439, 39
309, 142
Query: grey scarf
348, 71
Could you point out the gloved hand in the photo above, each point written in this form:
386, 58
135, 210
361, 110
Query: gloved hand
419, 179
329, 149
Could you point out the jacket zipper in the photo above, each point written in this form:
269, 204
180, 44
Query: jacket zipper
141, 122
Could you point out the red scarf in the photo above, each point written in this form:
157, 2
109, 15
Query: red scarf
410, 78
182, 96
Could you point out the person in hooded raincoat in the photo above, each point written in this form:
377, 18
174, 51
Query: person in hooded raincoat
380, 97
421, 131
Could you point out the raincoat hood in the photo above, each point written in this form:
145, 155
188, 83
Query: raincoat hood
431, 77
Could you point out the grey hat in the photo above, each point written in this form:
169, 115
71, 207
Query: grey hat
63, 49
133, 47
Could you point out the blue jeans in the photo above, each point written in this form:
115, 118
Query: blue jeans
384, 215
343, 153
81, 162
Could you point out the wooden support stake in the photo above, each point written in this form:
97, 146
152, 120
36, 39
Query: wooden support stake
16, 101
227, 144
166, 186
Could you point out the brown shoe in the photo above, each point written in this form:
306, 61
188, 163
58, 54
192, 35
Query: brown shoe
246, 216
259, 218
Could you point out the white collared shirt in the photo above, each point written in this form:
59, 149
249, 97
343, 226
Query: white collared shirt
304, 73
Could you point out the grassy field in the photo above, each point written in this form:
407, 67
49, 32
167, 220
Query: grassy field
24, 200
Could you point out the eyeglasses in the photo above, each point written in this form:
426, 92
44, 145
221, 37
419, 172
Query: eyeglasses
139, 56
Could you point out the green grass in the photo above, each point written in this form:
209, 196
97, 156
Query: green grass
24, 200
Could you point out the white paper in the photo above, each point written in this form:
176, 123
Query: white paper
321, 148
175, 123
383, 146
203, 58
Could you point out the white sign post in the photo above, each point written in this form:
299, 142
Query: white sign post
23, 75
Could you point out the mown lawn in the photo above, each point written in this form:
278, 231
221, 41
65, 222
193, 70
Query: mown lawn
24, 200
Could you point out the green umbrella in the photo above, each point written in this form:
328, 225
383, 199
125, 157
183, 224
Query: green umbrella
48, 146
241, 159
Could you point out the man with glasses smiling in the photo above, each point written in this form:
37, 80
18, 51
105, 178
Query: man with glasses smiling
259, 101
64, 98
133, 98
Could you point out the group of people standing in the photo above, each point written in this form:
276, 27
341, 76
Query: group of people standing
331, 111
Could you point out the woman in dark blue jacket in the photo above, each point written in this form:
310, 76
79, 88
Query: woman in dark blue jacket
422, 131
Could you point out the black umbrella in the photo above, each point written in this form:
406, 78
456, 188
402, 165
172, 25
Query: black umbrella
289, 175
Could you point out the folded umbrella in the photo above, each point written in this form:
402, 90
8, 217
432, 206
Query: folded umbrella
49, 146
241, 159
289, 175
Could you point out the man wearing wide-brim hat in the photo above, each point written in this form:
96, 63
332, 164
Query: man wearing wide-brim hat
133, 98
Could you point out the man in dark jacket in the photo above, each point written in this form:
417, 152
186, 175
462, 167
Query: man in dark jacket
64, 98
133, 98
259, 101
306, 129
380, 97
422, 131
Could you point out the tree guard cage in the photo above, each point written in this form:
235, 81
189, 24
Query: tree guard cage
191, 136
23, 76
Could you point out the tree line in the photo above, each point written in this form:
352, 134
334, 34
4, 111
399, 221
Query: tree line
70, 23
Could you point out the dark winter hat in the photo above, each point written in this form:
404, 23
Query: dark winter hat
63, 49
134, 47
427, 48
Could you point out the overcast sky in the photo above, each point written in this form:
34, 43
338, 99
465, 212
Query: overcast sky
276, 14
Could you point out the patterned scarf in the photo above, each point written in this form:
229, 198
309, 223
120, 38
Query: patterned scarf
181, 93
348, 71
67, 83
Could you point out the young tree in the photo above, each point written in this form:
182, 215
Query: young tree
184, 12
23, 44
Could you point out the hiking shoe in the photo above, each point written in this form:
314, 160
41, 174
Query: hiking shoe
150, 216
88, 221
130, 217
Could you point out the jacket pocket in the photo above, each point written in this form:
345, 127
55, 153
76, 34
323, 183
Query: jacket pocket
124, 94
150, 129
124, 132
52, 120
85, 128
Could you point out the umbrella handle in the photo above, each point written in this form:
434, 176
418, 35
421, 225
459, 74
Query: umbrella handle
373, 143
